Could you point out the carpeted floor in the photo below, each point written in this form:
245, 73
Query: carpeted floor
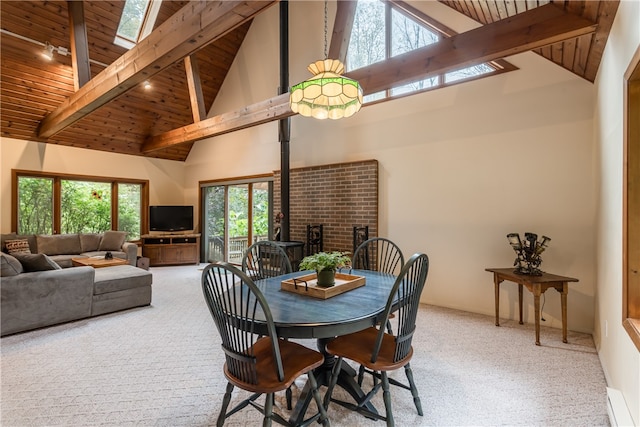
162, 366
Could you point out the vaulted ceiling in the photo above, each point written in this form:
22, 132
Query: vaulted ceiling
114, 113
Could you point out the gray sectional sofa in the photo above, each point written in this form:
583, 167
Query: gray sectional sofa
62, 247
36, 291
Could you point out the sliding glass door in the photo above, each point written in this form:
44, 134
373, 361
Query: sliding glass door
235, 215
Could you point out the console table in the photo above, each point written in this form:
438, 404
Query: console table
171, 249
537, 285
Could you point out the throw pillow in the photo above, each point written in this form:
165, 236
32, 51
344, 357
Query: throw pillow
37, 262
112, 240
19, 246
3, 240
10, 266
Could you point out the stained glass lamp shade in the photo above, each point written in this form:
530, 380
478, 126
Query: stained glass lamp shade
328, 94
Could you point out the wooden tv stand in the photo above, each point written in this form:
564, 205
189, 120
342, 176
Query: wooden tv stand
171, 249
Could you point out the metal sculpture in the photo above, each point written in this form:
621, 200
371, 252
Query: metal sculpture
528, 252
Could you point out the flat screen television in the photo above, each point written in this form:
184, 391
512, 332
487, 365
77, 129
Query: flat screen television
170, 218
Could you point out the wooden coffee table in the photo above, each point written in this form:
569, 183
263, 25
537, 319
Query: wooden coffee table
98, 262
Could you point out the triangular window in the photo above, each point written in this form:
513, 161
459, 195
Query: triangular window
137, 21
383, 29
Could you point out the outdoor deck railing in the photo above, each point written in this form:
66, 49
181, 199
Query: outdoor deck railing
237, 248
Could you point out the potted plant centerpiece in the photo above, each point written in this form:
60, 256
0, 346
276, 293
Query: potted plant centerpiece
325, 265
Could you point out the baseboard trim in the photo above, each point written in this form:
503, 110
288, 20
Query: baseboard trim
619, 414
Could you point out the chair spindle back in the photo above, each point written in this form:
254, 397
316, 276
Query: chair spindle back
265, 259
378, 254
405, 298
235, 302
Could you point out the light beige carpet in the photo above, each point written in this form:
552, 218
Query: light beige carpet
162, 366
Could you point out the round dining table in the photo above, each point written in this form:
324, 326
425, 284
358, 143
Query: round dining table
300, 316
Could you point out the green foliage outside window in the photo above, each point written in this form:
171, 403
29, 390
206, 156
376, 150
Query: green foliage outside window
129, 208
85, 206
35, 201
238, 211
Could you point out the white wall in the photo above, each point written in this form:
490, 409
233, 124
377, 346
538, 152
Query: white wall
166, 177
620, 358
459, 167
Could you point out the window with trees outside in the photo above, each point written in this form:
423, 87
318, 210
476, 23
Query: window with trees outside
383, 29
63, 204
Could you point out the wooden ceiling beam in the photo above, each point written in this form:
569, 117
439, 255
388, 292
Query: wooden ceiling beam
526, 31
262, 112
193, 27
195, 88
345, 14
79, 44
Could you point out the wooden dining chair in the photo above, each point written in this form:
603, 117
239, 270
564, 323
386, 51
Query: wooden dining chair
378, 254
265, 259
381, 352
256, 361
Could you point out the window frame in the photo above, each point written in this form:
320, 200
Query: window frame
57, 196
499, 66
146, 26
226, 183
631, 202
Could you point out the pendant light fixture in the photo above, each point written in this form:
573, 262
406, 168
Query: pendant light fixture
328, 94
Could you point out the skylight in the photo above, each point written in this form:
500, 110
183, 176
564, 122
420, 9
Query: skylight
137, 21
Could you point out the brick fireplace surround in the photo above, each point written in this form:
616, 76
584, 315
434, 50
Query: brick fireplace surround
339, 196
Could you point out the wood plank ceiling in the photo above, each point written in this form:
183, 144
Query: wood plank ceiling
31, 89
580, 55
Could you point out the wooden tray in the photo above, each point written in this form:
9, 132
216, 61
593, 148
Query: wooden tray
344, 283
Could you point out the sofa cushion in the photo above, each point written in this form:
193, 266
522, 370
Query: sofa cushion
119, 278
36, 262
64, 261
18, 246
44, 298
58, 244
90, 241
112, 240
10, 265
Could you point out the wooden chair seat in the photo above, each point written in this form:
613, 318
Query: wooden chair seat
296, 361
359, 348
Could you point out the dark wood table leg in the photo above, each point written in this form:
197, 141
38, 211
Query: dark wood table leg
346, 380
536, 306
520, 292
563, 305
496, 282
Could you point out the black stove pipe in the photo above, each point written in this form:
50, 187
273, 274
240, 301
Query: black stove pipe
284, 125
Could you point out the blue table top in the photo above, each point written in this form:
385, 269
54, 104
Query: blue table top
300, 316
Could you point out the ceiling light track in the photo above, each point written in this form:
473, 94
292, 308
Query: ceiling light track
61, 50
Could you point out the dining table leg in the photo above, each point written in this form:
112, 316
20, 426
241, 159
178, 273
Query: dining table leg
346, 380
